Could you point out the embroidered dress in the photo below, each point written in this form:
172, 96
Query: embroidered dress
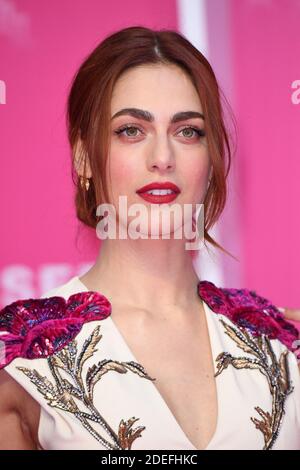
68, 354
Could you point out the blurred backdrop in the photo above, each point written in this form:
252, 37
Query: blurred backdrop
253, 46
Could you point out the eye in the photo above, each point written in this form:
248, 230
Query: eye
199, 132
127, 128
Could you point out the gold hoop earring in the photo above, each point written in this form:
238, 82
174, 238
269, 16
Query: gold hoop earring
85, 182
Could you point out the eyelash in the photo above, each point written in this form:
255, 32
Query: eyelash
199, 132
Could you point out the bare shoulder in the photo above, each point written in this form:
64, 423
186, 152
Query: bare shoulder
19, 415
10, 392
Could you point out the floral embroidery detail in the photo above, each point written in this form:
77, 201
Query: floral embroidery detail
257, 321
64, 393
40, 327
46, 328
249, 310
276, 372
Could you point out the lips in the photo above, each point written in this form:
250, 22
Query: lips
159, 185
159, 198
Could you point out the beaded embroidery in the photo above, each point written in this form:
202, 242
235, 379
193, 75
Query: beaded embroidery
36, 328
249, 310
257, 322
275, 371
64, 394
46, 328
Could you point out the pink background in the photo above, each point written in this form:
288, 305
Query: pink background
255, 54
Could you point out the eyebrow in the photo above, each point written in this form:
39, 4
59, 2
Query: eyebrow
147, 116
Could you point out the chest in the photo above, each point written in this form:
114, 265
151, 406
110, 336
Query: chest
178, 356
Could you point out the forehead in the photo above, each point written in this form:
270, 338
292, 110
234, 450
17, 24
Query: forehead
156, 88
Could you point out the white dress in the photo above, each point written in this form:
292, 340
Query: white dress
127, 393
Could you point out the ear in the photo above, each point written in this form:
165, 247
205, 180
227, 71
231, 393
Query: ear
81, 160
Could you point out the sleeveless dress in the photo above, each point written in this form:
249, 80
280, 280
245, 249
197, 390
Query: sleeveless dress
67, 353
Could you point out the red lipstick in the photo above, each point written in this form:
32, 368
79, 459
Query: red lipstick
164, 192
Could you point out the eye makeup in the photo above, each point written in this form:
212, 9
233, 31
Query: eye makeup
120, 131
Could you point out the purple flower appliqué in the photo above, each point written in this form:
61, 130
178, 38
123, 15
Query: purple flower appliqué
41, 327
249, 310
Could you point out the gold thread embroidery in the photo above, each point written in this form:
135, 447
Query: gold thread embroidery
63, 394
276, 373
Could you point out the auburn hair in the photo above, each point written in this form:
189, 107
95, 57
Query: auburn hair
89, 107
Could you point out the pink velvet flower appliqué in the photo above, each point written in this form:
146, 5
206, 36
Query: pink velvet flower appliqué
249, 310
37, 328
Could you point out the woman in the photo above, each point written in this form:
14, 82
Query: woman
138, 353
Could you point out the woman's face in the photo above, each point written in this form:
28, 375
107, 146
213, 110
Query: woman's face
157, 150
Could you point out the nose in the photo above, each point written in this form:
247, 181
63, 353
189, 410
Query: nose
161, 157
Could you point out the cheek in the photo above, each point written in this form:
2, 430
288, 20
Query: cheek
122, 172
196, 179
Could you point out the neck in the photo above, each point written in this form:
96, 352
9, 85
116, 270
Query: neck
145, 273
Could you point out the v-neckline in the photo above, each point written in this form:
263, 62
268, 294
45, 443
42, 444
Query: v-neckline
213, 348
